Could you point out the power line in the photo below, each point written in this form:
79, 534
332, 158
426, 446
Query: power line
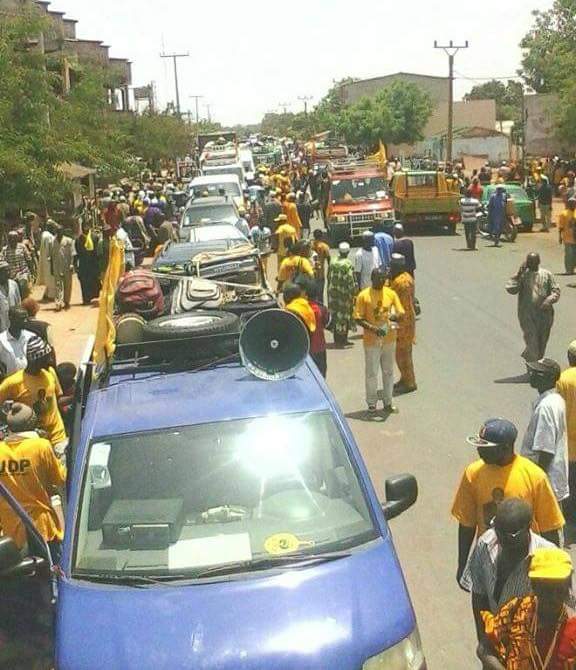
513, 77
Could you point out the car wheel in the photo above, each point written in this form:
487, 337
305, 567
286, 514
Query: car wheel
179, 326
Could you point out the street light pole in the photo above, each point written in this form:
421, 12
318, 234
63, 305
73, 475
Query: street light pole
196, 98
451, 50
305, 99
175, 58
284, 107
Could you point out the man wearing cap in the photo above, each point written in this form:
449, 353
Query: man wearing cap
342, 292
538, 292
272, 211
545, 442
366, 260
377, 309
38, 387
62, 259
567, 232
497, 213
384, 243
403, 245
499, 474
296, 263
536, 631
45, 274
285, 237
291, 211
497, 570
31, 472
567, 388
9, 295
18, 258
402, 284
13, 343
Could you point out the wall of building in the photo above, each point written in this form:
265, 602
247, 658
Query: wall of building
436, 87
541, 139
476, 113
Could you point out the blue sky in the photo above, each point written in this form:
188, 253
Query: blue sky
245, 58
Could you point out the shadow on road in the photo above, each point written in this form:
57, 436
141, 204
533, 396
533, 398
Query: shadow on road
519, 379
380, 416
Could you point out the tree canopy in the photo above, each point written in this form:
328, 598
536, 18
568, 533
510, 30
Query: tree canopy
508, 97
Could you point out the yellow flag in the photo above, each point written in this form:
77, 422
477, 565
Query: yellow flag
105, 330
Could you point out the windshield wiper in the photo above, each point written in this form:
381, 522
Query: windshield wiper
286, 560
130, 579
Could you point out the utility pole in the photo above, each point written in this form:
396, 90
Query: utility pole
175, 58
284, 107
208, 114
196, 98
451, 50
305, 99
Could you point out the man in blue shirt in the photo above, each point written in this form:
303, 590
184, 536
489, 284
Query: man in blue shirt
384, 243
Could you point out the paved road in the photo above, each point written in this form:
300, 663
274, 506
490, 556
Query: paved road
469, 344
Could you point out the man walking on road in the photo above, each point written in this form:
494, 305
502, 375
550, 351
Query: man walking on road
537, 292
404, 246
499, 474
545, 196
497, 213
63, 267
384, 243
377, 308
545, 440
403, 285
567, 231
341, 295
367, 260
567, 388
469, 206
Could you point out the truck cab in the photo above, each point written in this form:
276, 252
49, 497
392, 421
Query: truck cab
217, 520
358, 199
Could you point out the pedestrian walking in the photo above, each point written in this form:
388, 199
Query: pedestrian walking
497, 213
285, 237
535, 632
122, 236
321, 258
567, 388
304, 212
13, 343
9, 295
296, 302
498, 474
567, 232
16, 254
311, 291
545, 196
537, 292
366, 260
296, 263
499, 564
342, 290
402, 284
469, 207
261, 238
545, 441
404, 246
62, 259
291, 211
272, 211
87, 265
476, 190
45, 274
32, 474
377, 309
384, 243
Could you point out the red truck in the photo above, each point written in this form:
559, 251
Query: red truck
358, 199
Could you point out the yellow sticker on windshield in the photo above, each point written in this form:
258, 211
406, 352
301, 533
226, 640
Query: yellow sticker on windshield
284, 543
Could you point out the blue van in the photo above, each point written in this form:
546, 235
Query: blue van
221, 522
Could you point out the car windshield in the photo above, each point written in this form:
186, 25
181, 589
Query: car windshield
210, 233
516, 192
228, 188
223, 169
427, 180
194, 215
360, 188
182, 500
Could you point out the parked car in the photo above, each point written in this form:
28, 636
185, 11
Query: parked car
525, 206
216, 520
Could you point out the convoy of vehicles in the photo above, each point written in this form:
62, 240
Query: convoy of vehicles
358, 200
426, 198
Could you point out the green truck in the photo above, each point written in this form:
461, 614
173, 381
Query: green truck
426, 198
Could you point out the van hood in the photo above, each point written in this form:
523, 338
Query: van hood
360, 206
333, 615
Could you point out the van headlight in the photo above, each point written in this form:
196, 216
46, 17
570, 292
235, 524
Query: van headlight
406, 655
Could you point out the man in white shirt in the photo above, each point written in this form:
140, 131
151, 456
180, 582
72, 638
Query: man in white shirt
546, 441
367, 260
129, 255
469, 207
13, 343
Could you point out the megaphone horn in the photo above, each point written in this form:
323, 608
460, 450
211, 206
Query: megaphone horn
274, 344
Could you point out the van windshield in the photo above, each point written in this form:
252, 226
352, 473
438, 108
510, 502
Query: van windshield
359, 188
228, 188
186, 499
196, 214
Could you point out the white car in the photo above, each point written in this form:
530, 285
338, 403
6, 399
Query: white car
215, 184
247, 160
221, 168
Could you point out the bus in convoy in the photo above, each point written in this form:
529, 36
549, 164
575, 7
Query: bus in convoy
358, 200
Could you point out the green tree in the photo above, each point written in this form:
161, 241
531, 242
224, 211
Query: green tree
508, 97
327, 113
397, 114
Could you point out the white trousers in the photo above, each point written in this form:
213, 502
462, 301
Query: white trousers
380, 357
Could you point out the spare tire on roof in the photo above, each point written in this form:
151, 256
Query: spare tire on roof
198, 322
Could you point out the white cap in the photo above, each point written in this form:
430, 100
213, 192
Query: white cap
572, 348
399, 227
344, 248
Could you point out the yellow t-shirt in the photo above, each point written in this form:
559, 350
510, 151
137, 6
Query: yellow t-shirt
285, 232
567, 389
566, 223
301, 308
322, 257
28, 467
375, 307
41, 392
484, 486
294, 265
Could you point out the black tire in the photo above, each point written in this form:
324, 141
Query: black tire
241, 308
179, 326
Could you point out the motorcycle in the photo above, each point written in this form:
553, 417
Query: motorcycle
510, 230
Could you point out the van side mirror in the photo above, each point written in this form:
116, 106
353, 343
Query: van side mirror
11, 562
401, 494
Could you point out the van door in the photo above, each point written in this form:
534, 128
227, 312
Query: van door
27, 597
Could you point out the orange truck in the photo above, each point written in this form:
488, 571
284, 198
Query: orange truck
358, 200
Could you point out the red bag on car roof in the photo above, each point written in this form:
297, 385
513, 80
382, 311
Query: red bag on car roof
139, 291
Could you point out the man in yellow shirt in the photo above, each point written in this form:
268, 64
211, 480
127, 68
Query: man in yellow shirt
285, 235
38, 387
321, 252
567, 231
498, 474
566, 387
32, 473
291, 211
296, 263
377, 310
